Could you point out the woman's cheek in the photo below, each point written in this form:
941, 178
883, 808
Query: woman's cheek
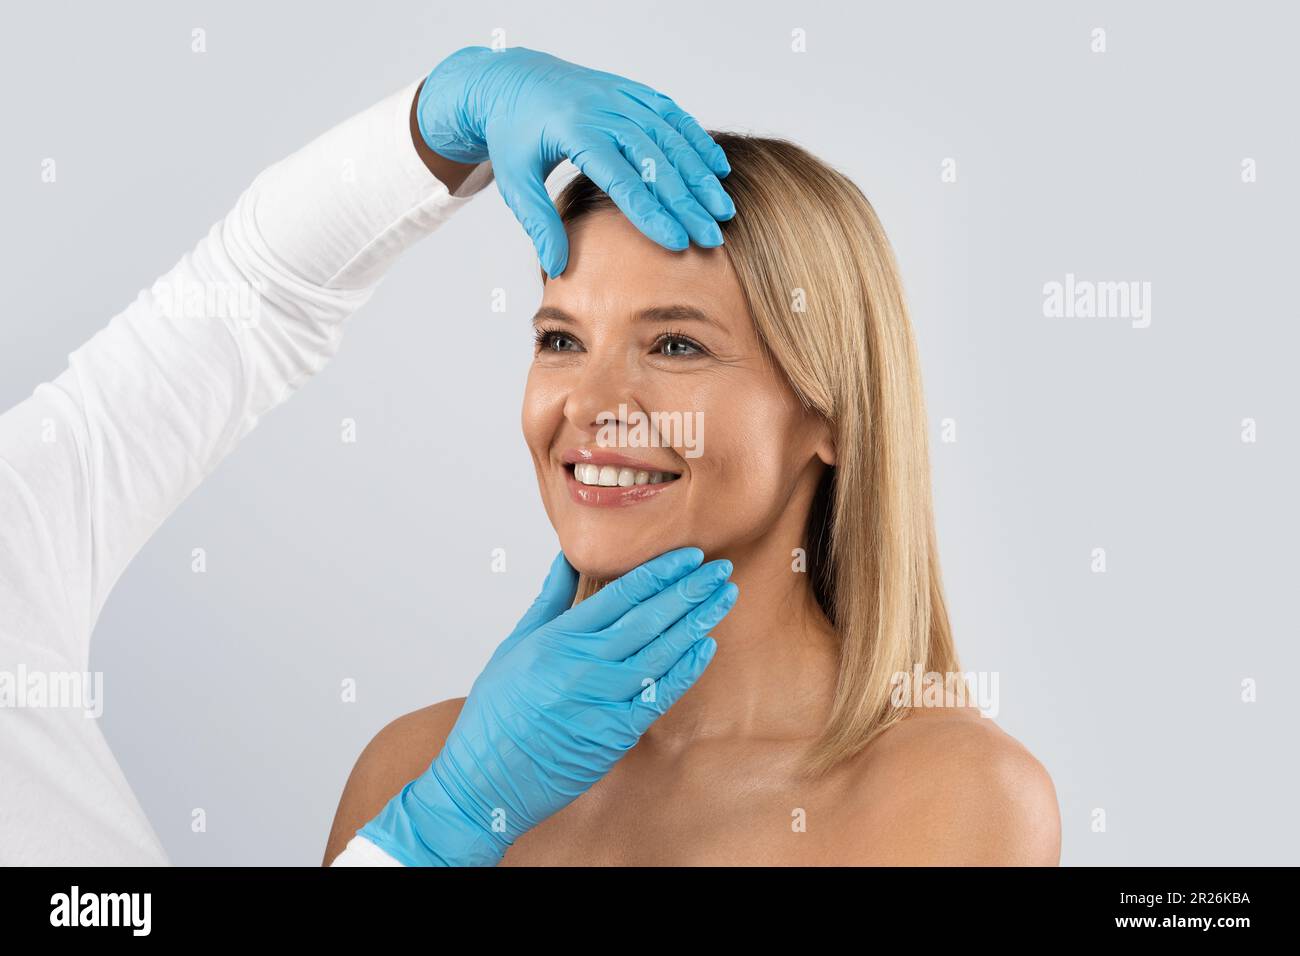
745, 473
540, 417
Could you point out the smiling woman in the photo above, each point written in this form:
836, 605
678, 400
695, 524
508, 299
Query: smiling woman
800, 357
791, 342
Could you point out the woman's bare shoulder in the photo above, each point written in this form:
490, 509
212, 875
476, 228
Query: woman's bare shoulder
948, 786
395, 756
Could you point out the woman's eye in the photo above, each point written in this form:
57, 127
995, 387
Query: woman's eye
557, 342
674, 346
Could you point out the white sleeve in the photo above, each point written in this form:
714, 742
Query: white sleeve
94, 461
361, 852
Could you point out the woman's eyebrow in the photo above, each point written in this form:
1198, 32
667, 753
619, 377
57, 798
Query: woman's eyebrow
549, 313
678, 313
655, 313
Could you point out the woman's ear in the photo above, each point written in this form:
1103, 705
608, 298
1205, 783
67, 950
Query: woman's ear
825, 447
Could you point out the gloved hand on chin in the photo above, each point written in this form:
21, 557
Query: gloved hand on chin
559, 702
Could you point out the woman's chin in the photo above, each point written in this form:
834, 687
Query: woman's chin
606, 564
603, 570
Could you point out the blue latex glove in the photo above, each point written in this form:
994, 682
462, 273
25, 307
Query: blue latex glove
559, 702
526, 111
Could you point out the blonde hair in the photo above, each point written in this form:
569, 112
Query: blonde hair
824, 291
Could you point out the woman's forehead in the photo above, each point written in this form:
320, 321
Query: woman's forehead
614, 269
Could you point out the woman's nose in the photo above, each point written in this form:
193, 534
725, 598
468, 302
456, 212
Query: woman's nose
602, 392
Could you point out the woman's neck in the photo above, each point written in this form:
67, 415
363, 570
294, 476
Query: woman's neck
774, 672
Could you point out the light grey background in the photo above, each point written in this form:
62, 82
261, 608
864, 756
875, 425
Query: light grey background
371, 561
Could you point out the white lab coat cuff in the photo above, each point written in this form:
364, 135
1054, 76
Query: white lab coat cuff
361, 852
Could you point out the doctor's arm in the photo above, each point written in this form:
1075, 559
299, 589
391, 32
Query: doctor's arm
96, 459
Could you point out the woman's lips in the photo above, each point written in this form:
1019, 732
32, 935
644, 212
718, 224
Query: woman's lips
602, 457
601, 496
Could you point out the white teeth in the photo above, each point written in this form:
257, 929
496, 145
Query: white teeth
609, 476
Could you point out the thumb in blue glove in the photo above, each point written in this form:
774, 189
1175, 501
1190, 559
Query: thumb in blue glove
527, 111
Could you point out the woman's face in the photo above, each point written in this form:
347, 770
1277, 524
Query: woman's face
648, 366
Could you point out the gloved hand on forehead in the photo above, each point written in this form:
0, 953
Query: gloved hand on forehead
560, 701
527, 111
